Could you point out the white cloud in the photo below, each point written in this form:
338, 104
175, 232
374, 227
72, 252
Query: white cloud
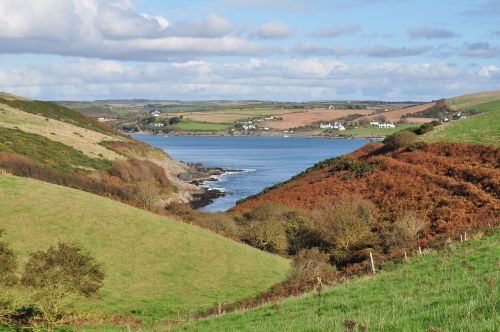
337, 30
256, 78
275, 30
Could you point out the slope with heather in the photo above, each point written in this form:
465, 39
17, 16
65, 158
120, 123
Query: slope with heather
451, 186
155, 268
455, 289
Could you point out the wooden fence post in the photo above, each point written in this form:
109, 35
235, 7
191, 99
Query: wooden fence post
406, 256
461, 238
465, 236
419, 250
371, 262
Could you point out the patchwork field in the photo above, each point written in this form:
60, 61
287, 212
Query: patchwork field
377, 132
155, 268
229, 116
455, 289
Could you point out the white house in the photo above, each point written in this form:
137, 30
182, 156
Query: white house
386, 125
331, 107
337, 126
155, 113
248, 127
374, 123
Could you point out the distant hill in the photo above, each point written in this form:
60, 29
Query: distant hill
483, 128
472, 100
450, 290
155, 268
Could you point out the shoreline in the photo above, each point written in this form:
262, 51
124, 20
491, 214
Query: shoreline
286, 135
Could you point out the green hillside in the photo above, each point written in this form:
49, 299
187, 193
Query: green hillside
483, 128
155, 267
471, 100
455, 289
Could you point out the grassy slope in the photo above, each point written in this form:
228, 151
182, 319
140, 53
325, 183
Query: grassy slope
201, 126
155, 267
469, 100
479, 129
452, 290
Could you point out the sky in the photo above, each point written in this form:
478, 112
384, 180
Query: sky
283, 50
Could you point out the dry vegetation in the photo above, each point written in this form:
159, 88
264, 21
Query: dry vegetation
450, 186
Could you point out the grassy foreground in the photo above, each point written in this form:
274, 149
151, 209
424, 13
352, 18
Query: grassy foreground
155, 268
483, 128
455, 289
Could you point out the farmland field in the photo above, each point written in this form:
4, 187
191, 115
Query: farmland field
294, 119
201, 126
155, 267
397, 115
469, 100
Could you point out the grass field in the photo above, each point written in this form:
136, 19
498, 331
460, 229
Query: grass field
155, 267
375, 131
483, 128
201, 126
455, 289
489, 106
470, 100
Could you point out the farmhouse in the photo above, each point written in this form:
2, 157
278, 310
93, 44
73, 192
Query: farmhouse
331, 107
386, 125
374, 123
155, 114
337, 126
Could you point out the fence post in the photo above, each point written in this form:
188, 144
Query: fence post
461, 238
371, 262
406, 256
465, 236
419, 250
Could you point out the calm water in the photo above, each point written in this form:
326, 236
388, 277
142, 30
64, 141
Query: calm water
266, 160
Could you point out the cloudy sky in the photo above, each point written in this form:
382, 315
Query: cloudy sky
295, 50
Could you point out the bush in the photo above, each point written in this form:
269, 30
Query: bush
400, 139
345, 225
8, 264
56, 275
310, 264
135, 170
426, 127
405, 230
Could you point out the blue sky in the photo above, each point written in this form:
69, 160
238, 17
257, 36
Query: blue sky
292, 50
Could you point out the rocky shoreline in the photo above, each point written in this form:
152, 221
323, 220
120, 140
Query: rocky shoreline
199, 175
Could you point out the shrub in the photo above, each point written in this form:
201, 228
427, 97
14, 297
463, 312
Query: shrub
135, 170
8, 264
405, 230
345, 224
309, 264
400, 139
426, 127
55, 275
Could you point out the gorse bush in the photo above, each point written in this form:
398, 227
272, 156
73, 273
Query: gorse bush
50, 279
405, 231
135, 170
310, 264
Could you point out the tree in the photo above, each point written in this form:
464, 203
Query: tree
8, 264
175, 120
54, 275
400, 139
